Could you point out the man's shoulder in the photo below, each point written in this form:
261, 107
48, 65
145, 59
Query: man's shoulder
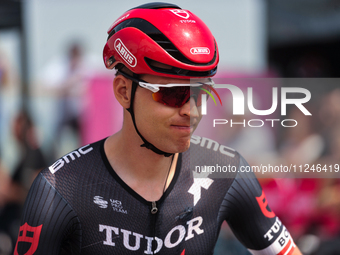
77, 162
80, 168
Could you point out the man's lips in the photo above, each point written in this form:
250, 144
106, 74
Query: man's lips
183, 127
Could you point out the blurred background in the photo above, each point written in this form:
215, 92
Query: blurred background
55, 95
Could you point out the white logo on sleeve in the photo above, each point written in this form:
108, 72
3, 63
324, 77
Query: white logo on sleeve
69, 158
200, 180
283, 244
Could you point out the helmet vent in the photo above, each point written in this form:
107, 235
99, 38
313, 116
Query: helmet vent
179, 71
168, 46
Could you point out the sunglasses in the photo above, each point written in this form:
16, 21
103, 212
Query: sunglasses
176, 95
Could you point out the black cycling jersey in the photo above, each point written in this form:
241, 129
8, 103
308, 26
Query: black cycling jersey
79, 205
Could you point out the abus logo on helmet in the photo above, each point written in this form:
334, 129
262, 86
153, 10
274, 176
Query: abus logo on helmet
181, 13
199, 50
125, 53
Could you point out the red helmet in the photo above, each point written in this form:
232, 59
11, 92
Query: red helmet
164, 33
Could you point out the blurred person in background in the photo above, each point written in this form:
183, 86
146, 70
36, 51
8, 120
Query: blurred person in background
31, 159
329, 115
3, 71
4, 80
14, 188
298, 146
303, 144
326, 225
6, 245
67, 77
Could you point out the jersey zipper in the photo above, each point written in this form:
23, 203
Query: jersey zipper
154, 211
154, 208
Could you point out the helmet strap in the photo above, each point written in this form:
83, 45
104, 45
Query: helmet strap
145, 144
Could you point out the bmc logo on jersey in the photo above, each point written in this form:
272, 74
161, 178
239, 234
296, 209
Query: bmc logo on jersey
28, 234
69, 158
199, 50
181, 13
125, 53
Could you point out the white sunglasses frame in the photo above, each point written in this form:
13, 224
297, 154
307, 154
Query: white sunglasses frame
156, 87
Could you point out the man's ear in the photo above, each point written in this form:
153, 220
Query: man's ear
122, 88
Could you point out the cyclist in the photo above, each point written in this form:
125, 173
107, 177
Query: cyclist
136, 192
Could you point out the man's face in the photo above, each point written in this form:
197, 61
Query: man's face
168, 128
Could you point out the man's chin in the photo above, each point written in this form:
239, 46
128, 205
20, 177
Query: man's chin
178, 148
183, 147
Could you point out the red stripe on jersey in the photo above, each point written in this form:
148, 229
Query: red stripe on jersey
285, 249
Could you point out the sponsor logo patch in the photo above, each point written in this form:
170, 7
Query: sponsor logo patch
181, 13
69, 158
199, 50
129, 58
282, 245
201, 180
30, 235
98, 200
263, 203
117, 206
134, 241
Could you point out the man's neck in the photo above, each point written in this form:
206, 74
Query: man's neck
144, 171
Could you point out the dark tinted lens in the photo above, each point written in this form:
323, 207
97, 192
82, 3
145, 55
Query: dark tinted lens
173, 96
178, 96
